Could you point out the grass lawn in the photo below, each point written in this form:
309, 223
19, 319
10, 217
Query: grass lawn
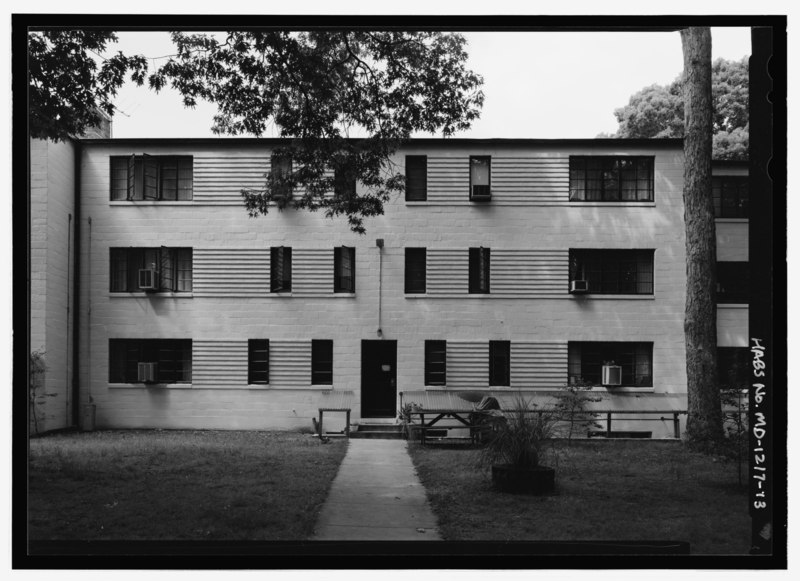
179, 485
605, 491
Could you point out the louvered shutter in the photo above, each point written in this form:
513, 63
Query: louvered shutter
166, 270
132, 177
150, 173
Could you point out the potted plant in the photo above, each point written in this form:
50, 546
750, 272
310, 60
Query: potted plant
515, 447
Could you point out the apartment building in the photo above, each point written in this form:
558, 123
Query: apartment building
507, 265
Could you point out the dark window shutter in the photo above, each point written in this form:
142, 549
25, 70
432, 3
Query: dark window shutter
435, 362
280, 269
166, 269
258, 361
416, 178
344, 269
119, 270
500, 363
479, 270
322, 362
415, 273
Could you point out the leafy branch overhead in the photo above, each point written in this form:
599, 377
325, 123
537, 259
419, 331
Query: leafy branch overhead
317, 88
66, 85
657, 111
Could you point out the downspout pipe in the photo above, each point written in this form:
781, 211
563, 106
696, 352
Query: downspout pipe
76, 403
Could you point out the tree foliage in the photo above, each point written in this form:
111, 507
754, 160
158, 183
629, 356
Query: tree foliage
66, 86
658, 111
319, 89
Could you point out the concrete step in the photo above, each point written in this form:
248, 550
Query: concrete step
379, 428
376, 435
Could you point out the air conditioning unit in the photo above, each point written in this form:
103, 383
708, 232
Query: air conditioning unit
481, 193
148, 372
147, 279
579, 286
612, 375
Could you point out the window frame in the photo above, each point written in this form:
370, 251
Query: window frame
420, 192
258, 369
480, 270
278, 169
438, 348
130, 352
125, 263
473, 159
344, 182
500, 363
154, 173
280, 269
611, 353
733, 366
342, 283
609, 164
590, 263
416, 261
322, 362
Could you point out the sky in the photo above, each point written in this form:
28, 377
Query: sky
537, 84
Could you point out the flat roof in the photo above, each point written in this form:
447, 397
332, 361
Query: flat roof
450, 142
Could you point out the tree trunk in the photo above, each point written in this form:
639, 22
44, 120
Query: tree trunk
704, 423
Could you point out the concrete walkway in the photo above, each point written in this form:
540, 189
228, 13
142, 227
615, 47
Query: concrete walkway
376, 496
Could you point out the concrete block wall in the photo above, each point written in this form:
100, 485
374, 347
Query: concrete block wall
52, 260
551, 224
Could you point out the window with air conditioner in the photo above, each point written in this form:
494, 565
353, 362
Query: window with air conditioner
344, 269
612, 272
628, 363
479, 270
435, 362
150, 360
152, 177
480, 178
611, 178
159, 269
280, 269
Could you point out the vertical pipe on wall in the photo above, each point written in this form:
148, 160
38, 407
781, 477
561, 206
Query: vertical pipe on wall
66, 358
76, 290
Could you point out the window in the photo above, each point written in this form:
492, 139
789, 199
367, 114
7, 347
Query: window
610, 179
586, 360
435, 362
416, 178
172, 266
733, 367
344, 269
258, 361
480, 177
151, 177
322, 362
344, 183
499, 362
172, 356
733, 282
731, 195
415, 270
479, 275
613, 271
281, 169
280, 269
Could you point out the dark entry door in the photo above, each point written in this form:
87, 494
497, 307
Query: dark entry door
378, 379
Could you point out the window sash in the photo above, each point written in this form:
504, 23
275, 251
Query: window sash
435, 362
586, 360
613, 271
280, 269
258, 361
416, 178
415, 271
152, 177
731, 195
281, 169
344, 277
611, 179
499, 363
733, 367
479, 270
322, 362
